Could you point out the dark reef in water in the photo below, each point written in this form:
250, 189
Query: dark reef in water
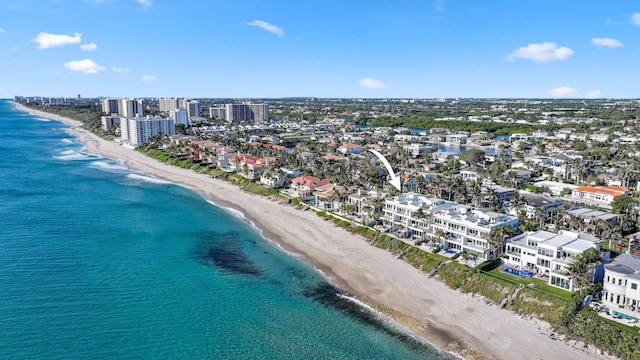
332, 297
224, 251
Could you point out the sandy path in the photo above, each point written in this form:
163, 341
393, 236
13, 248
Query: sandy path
442, 316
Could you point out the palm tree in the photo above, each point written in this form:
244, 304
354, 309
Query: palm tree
578, 267
439, 233
540, 216
476, 193
610, 233
497, 237
422, 216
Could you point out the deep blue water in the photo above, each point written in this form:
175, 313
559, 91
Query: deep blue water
97, 261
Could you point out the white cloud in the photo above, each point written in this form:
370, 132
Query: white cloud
89, 47
145, 3
266, 26
370, 83
3, 31
542, 52
610, 21
594, 94
563, 91
119, 70
438, 5
612, 43
46, 40
148, 78
85, 66
635, 18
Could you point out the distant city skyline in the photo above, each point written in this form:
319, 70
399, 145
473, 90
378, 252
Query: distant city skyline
324, 49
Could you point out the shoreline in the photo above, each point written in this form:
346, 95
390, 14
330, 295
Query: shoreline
443, 317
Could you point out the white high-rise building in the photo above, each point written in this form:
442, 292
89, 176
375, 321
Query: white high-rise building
246, 112
193, 109
218, 113
131, 108
168, 104
180, 116
110, 106
109, 122
136, 131
259, 112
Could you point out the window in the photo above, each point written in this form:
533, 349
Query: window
619, 281
634, 286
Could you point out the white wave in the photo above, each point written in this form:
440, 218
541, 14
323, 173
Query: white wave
103, 165
149, 179
67, 141
70, 155
42, 119
236, 213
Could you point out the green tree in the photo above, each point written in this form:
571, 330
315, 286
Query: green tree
472, 156
579, 145
622, 204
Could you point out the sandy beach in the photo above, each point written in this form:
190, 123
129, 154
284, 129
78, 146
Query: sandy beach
432, 311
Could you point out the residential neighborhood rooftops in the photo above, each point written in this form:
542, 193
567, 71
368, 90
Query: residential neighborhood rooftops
586, 212
629, 261
609, 190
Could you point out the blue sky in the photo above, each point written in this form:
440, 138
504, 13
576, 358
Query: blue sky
328, 48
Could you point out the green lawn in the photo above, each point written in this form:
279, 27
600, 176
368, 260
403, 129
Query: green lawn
539, 284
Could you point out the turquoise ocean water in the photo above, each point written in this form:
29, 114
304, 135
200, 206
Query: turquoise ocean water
98, 261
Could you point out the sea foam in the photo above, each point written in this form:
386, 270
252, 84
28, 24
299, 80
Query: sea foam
71, 155
103, 165
147, 178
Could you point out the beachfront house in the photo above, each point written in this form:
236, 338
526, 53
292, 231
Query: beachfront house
367, 203
277, 178
302, 187
549, 255
621, 287
461, 228
408, 214
328, 197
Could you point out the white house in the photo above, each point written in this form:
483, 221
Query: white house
620, 291
548, 254
351, 148
400, 213
535, 204
598, 195
456, 139
465, 229
416, 149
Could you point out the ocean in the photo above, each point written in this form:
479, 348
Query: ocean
99, 261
